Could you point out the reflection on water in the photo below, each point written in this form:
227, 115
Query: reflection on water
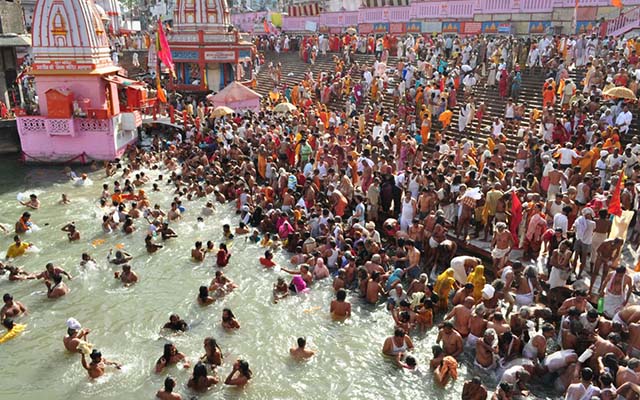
125, 322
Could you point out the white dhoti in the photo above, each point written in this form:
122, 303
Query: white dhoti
558, 277
612, 304
524, 299
500, 253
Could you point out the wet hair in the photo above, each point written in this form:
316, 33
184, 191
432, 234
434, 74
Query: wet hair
228, 311
437, 350
398, 332
95, 355
199, 371
586, 374
203, 293
244, 369
411, 361
341, 295
302, 342
166, 352
169, 384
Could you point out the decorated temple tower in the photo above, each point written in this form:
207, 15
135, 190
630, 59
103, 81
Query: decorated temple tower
112, 9
79, 115
207, 51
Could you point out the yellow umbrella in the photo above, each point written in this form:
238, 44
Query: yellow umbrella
285, 108
221, 111
620, 92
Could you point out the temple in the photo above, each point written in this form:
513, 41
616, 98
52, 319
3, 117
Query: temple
207, 50
114, 15
79, 115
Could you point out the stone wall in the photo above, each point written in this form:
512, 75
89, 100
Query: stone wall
12, 17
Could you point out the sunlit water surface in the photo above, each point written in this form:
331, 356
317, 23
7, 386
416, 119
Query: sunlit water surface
126, 322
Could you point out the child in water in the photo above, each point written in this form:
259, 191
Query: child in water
226, 232
280, 290
255, 236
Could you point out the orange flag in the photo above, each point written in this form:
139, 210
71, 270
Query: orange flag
617, 3
161, 97
615, 207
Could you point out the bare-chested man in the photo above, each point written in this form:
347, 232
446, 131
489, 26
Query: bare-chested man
461, 315
374, 288
606, 257
501, 246
616, 289
451, 339
72, 233
11, 308
498, 324
486, 350
413, 256
477, 326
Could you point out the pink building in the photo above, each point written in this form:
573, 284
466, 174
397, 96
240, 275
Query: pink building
80, 116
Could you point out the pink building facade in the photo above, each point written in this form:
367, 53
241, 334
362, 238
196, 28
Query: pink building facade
79, 112
521, 16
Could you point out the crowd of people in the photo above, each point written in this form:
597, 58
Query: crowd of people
368, 197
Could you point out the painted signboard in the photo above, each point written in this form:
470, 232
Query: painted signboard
451, 27
539, 27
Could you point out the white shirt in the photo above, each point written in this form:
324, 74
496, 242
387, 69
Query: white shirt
601, 166
624, 120
567, 155
497, 129
577, 391
584, 229
561, 221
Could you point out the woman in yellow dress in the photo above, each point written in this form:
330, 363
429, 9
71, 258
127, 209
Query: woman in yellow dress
478, 280
444, 284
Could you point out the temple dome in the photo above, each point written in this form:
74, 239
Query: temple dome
112, 9
69, 35
201, 15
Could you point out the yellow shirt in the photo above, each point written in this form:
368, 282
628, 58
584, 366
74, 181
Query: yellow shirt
15, 251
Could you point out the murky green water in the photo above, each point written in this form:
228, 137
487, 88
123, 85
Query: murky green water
126, 322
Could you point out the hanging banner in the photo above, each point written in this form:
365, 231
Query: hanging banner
413, 27
585, 26
471, 28
539, 27
491, 27
451, 27
336, 30
365, 29
397, 27
381, 27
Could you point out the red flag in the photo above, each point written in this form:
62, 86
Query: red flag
516, 217
615, 207
266, 26
164, 52
617, 3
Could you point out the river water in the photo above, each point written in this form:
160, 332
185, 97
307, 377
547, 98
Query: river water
126, 322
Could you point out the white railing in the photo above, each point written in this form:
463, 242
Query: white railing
624, 22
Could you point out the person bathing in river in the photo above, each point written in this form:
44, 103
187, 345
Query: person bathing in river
75, 341
301, 352
229, 321
96, 367
72, 233
170, 356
